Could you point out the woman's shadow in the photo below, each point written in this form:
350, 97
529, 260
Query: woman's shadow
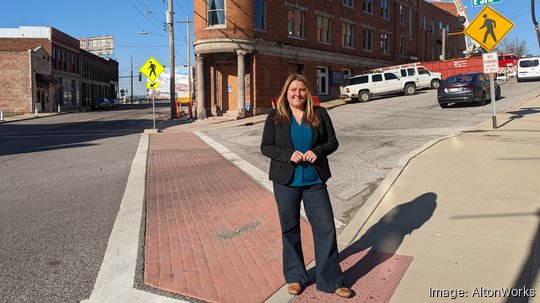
385, 237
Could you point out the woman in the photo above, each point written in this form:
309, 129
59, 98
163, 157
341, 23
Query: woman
298, 137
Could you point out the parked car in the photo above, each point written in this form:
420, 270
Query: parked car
528, 69
426, 79
100, 104
466, 88
114, 103
364, 87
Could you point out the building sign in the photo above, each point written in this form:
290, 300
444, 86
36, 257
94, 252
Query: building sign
488, 28
101, 45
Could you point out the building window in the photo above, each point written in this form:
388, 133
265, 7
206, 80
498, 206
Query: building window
322, 80
401, 15
411, 23
432, 25
368, 6
423, 23
260, 14
401, 45
295, 25
346, 73
324, 29
216, 12
348, 3
432, 54
385, 9
385, 43
348, 33
367, 40
440, 29
447, 29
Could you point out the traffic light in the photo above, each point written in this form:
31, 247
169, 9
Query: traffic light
140, 77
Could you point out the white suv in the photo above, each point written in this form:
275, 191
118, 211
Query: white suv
426, 79
364, 87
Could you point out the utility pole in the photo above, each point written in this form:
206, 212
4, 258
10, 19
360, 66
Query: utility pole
533, 15
187, 22
170, 23
443, 55
131, 79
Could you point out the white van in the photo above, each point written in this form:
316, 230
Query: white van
528, 69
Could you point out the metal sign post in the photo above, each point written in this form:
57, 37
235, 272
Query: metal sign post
154, 107
491, 66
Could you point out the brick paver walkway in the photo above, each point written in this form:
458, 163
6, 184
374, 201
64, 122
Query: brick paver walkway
212, 232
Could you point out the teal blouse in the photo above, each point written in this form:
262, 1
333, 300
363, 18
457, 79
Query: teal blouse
304, 173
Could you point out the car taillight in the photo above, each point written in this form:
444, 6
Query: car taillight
471, 86
347, 90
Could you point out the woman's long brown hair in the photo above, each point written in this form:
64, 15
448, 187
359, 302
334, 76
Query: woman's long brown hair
282, 115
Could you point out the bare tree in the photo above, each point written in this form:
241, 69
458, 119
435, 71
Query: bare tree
512, 46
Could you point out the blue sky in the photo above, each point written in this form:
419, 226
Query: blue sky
125, 18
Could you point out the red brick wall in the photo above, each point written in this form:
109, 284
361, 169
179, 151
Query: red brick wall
24, 44
15, 82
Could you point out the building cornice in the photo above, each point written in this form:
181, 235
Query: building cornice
224, 45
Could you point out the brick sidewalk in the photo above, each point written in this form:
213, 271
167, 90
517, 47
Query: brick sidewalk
212, 232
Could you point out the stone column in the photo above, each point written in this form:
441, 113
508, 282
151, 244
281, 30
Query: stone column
201, 108
241, 84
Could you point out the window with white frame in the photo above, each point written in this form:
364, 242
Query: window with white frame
385, 9
401, 14
259, 14
322, 80
348, 3
347, 30
368, 6
347, 73
324, 29
367, 39
215, 12
295, 26
385, 43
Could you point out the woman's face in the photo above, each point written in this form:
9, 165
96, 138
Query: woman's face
296, 94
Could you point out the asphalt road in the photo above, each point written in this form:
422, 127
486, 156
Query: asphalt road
62, 179
376, 136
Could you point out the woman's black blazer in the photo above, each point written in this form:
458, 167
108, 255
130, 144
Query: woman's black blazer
278, 146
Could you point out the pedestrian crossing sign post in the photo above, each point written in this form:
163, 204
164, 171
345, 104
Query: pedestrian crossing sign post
488, 28
152, 69
154, 84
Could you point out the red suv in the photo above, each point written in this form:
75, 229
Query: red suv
508, 60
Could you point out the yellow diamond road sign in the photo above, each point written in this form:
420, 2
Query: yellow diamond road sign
154, 84
488, 28
152, 69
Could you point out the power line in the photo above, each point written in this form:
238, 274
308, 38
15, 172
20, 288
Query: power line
160, 26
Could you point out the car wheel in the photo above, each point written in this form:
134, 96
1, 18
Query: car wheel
435, 83
363, 96
409, 89
498, 93
519, 80
443, 105
483, 99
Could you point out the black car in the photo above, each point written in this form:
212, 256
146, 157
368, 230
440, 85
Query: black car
100, 103
466, 88
114, 103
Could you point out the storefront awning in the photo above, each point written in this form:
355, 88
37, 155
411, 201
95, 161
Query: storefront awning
45, 78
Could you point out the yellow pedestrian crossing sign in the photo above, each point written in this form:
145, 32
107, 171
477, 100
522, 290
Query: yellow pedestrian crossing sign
154, 84
488, 28
152, 69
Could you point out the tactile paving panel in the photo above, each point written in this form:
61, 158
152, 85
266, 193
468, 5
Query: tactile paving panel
372, 275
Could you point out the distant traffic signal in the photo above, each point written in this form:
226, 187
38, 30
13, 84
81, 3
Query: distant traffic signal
140, 76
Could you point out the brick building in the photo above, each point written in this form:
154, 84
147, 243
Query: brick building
245, 49
45, 68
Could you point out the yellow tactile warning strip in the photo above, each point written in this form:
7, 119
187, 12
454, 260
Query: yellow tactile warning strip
212, 232
372, 275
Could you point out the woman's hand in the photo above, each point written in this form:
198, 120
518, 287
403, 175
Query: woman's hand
297, 157
310, 157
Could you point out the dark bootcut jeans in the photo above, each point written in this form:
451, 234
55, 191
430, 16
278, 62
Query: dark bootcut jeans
319, 213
